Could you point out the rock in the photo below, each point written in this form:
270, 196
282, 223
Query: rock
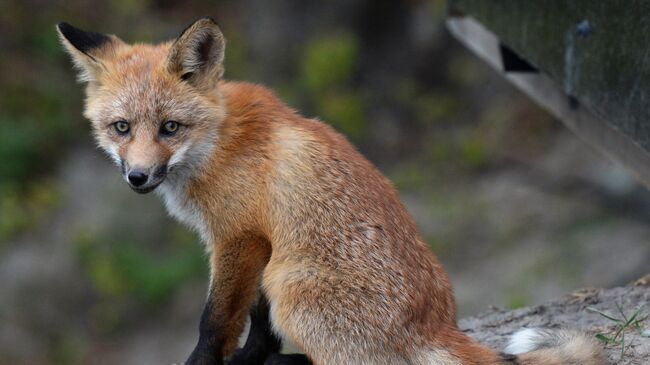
581, 310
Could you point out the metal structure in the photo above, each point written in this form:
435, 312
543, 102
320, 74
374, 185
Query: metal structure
587, 62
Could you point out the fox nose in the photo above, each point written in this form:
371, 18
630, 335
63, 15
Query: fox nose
137, 178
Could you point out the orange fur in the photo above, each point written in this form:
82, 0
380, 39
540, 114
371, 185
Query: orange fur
282, 202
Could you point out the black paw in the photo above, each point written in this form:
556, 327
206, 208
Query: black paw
244, 356
203, 358
291, 359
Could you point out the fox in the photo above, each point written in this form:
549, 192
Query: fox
307, 240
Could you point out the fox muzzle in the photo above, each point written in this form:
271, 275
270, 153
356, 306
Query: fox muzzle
144, 180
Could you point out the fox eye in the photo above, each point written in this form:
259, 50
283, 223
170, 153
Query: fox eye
169, 128
122, 127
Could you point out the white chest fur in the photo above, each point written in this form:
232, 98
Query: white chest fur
182, 208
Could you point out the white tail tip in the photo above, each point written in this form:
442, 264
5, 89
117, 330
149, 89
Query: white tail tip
524, 340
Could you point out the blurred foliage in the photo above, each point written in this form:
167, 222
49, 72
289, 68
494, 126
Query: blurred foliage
328, 63
434, 106
21, 208
67, 349
237, 61
517, 299
473, 151
344, 112
39, 118
328, 67
409, 176
125, 273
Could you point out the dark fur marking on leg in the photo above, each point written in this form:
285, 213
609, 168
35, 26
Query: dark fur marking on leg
261, 341
208, 350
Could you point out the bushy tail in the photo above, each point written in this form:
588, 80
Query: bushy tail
553, 347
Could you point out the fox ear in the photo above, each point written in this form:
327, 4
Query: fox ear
197, 54
89, 50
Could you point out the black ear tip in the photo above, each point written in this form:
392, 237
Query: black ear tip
68, 30
63, 26
80, 39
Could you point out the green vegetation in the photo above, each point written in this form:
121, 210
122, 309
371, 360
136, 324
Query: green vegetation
622, 324
327, 76
345, 112
434, 107
237, 63
20, 209
37, 124
122, 268
472, 150
409, 176
124, 273
67, 349
517, 300
329, 62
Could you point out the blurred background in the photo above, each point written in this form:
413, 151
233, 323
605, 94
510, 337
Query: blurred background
517, 208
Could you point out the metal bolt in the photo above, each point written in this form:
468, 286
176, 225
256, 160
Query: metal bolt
584, 29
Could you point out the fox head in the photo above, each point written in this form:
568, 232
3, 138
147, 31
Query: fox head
155, 109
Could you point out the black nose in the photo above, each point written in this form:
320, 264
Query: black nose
137, 178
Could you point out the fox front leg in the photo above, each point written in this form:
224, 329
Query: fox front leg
209, 349
236, 267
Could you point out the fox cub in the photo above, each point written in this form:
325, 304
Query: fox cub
304, 234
